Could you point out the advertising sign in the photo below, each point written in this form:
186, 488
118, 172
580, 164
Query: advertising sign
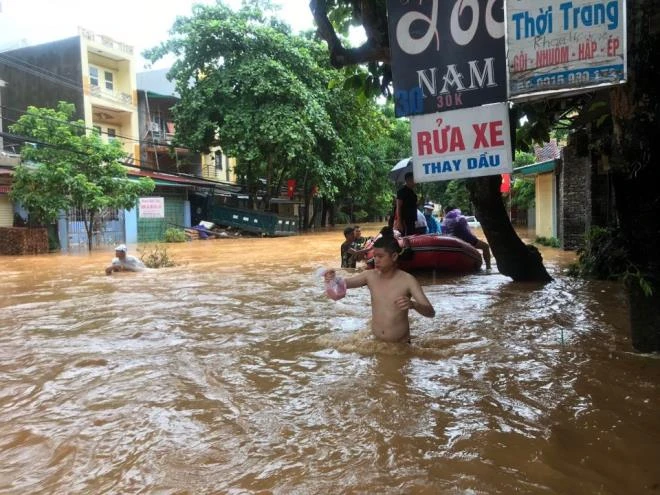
472, 142
560, 45
447, 54
152, 208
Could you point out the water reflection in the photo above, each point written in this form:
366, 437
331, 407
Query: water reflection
232, 373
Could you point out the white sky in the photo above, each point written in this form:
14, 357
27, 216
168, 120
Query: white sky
141, 23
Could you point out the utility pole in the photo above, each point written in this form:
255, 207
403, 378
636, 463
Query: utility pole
2, 141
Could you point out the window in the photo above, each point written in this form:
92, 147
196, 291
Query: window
109, 80
218, 161
112, 134
93, 76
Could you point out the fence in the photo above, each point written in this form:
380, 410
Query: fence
153, 229
108, 229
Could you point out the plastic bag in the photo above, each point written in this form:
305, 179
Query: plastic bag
335, 288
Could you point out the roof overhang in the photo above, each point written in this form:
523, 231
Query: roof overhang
537, 168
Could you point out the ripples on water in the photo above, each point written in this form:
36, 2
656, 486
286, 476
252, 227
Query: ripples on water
232, 373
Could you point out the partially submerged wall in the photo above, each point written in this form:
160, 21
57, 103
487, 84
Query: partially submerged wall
23, 240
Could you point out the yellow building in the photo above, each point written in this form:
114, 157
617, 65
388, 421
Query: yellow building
110, 89
546, 196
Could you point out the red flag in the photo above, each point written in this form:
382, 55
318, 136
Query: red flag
291, 187
505, 187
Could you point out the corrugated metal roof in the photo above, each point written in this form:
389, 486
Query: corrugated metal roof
155, 82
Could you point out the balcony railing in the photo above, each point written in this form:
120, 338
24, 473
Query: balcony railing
161, 134
116, 96
106, 41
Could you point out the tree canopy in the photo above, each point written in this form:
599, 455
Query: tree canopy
272, 100
64, 166
617, 125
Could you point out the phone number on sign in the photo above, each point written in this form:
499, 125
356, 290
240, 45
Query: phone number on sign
571, 78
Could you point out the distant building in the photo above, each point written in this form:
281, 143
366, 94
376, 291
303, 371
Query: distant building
94, 72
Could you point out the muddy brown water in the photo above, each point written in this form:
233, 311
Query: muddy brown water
232, 373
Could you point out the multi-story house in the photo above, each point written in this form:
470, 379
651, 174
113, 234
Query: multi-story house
94, 72
156, 97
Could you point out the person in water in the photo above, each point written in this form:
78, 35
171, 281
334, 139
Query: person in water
124, 262
393, 292
456, 224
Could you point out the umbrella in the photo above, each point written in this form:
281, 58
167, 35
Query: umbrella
400, 169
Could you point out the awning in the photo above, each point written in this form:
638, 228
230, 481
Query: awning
536, 168
165, 179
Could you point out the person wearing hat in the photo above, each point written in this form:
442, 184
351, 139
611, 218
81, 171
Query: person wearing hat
432, 224
456, 224
123, 262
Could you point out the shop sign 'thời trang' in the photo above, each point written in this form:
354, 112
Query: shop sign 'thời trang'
558, 46
471, 142
447, 54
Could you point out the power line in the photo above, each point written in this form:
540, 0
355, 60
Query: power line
39, 72
92, 129
25, 139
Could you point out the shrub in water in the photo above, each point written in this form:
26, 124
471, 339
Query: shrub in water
157, 257
175, 235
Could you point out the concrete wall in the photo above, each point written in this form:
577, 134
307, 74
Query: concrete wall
41, 76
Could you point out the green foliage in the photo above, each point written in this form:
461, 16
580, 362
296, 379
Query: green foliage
523, 158
175, 235
342, 218
67, 167
548, 241
156, 257
272, 101
523, 193
457, 196
606, 257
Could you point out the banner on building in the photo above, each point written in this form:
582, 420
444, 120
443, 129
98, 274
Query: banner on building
472, 142
560, 45
152, 207
446, 55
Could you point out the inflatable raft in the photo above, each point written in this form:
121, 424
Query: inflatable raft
440, 252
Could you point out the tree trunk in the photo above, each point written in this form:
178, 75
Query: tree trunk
523, 263
636, 159
89, 227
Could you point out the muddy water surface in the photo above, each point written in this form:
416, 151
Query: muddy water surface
232, 373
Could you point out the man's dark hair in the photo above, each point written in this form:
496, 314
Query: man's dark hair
387, 241
348, 230
409, 175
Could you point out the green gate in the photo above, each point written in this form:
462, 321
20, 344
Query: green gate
153, 229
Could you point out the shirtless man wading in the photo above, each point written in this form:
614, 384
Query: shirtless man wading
393, 292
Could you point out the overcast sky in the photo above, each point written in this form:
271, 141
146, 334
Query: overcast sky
141, 23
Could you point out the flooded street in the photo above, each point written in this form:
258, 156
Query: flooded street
233, 373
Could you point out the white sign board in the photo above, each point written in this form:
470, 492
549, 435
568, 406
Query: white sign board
471, 142
152, 207
564, 45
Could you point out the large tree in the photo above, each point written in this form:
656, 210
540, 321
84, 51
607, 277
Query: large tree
633, 110
266, 96
514, 258
64, 166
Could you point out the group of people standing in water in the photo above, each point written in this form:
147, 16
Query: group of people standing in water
406, 214
395, 292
